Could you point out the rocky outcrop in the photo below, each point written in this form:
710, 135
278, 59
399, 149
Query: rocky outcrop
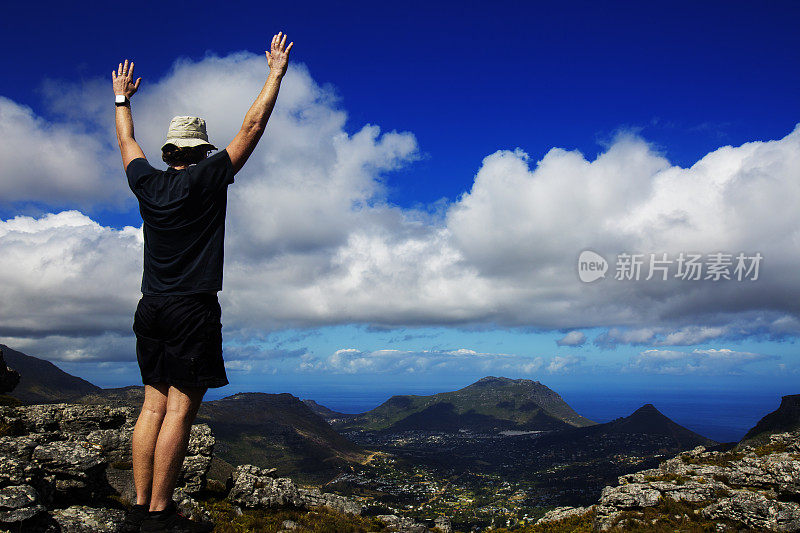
18, 503
9, 378
67, 468
402, 524
254, 487
85, 519
443, 524
560, 513
755, 487
64, 465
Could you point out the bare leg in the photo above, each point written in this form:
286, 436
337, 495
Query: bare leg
145, 434
173, 439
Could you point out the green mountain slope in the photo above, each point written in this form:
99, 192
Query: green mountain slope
489, 403
278, 431
266, 430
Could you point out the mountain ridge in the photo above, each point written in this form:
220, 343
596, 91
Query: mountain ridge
266, 430
491, 403
323, 411
42, 381
785, 418
648, 420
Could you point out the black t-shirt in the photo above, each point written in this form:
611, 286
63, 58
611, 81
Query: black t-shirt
184, 223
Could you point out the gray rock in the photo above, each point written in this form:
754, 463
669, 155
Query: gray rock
84, 519
443, 523
197, 462
559, 513
58, 454
630, 496
115, 444
756, 487
315, 498
68, 458
71, 418
201, 441
189, 506
12, 470
71, 454
18, 503
690, 491
252, 486
20, 447
615, 500
402, 524
757, 511
71, 470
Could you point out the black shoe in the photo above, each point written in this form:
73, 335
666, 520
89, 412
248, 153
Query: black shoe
133, 519
172, 521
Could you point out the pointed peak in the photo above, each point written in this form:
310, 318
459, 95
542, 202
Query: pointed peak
647, 408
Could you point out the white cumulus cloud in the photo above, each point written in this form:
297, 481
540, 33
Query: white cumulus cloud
701, 362
573, 338
54, 163
312, 241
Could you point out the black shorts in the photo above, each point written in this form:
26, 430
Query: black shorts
179, 340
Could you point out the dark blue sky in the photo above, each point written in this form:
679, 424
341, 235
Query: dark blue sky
467, 78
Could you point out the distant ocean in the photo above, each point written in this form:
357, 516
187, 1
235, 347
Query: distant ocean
724, 416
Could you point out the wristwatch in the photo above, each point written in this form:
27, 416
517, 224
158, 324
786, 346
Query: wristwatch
121, 99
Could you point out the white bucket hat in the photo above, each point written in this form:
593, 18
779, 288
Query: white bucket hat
187, 132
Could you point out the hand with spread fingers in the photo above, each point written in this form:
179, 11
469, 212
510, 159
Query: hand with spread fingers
123, 80
278, 56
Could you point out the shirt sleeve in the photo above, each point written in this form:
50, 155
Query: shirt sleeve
137, 169
215, 172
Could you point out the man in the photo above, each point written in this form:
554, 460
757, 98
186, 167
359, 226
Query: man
177, 321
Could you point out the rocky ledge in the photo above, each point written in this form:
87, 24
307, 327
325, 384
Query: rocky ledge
754, 487
253, 487
59, 461
67, 468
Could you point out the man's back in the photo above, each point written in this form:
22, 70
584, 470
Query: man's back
184, 223
177, 322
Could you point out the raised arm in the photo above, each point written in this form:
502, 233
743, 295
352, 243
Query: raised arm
124, 85
255, 121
